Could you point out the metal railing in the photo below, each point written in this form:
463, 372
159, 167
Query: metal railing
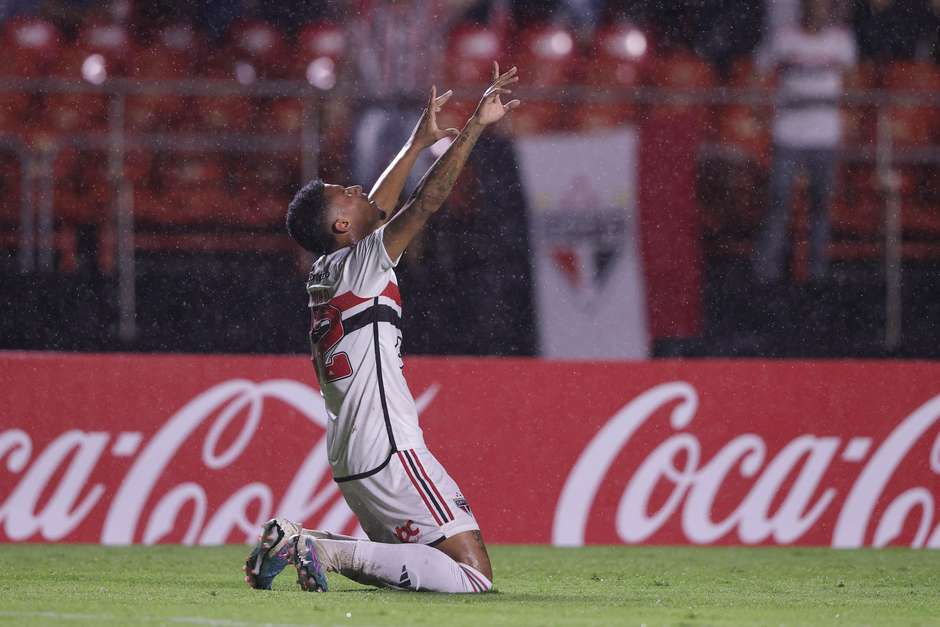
36, 229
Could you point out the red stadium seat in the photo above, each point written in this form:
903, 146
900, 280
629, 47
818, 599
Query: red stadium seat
320, 49
745, 128
171, 56
618, 60
912, 124
195, 192
260, 46
471, 49
30, 45
549, 55
102, 50
681, 70
284, 116
11, 176
266, 182
82, 192
859, 119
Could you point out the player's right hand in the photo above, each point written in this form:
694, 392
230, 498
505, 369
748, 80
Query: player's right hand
491, 109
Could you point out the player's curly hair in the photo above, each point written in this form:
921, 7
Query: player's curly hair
305, 218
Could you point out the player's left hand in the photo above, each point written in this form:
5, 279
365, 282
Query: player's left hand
426, 132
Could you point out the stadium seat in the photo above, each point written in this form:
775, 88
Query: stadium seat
283, 116
617, 60
471, 49
171, 56
912, 124
82, 191
320, 49
259, 46
194, 191
30, 45
859, 119
101, 50
681, 69
742, 127
549, 55
264, 183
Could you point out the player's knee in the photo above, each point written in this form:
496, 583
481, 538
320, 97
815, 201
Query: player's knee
468, 548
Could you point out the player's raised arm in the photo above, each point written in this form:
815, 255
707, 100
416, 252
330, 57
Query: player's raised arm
387, 190
439, 180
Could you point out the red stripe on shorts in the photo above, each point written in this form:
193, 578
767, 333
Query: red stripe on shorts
474, 580
433, 487
418, 488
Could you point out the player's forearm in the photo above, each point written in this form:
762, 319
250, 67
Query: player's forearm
387, 190
436, 185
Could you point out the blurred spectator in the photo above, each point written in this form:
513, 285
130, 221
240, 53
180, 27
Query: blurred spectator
890, 29
395, 50
807, 130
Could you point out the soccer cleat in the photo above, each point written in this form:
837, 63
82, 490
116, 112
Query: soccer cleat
271, 553
310, 572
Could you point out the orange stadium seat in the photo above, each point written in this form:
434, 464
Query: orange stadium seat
549, 55
320, 49
617, 60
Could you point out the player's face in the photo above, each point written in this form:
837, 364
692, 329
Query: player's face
352, 205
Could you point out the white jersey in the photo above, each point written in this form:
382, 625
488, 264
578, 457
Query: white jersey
807, 108
355, 339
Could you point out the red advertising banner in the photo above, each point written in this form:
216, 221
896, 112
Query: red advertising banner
143, 449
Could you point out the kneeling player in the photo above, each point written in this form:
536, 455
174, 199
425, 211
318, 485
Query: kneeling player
404, 499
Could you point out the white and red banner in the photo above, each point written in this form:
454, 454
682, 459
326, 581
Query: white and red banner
142, 449
581, 192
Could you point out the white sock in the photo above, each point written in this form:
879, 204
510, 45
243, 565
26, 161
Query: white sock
402, 566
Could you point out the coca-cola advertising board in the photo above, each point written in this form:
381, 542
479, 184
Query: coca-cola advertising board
120, 449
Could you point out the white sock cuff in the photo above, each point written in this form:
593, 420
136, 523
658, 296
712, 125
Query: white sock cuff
477, 580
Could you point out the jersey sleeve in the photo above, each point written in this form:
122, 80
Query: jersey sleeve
368, 266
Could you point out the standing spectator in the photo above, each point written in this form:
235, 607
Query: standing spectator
807, 131
395, 50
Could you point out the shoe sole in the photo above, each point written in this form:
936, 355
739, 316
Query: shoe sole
259, 554
310, 573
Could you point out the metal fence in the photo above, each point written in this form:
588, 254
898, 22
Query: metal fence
35, 235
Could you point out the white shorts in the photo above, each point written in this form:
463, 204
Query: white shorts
412, 499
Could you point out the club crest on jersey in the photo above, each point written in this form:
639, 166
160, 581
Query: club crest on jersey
407, 532
461, 502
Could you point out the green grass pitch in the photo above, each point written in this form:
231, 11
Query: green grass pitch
71, 585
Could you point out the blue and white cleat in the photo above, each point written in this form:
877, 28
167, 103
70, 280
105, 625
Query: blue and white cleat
271, 553
310, 572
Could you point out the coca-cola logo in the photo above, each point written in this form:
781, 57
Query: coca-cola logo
53, 495
764, 513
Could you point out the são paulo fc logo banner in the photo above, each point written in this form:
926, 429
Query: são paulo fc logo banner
201, 450
589, 289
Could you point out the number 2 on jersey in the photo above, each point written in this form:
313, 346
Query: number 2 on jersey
326, 330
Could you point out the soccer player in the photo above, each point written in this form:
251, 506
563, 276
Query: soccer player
423, 535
